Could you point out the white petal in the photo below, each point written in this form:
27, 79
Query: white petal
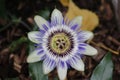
34, 56
40, 22
34, 36
48, 66
78, 65
89, 50
62, 71
56, 17
77, 20
89, 35
85, 35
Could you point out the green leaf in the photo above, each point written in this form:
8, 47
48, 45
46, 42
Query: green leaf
14, 44
36, 69
104, 70
45, 13
12, 78
56, 78
2, 9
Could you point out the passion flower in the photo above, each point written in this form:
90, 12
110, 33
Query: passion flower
60, 44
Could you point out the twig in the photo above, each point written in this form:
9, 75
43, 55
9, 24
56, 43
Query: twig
17, 67
25, 25
66, 79
114, 40
104, 47
5, 27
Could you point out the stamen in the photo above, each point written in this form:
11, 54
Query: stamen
60, 42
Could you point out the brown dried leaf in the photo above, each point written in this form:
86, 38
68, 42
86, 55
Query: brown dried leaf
64, 2
90, 19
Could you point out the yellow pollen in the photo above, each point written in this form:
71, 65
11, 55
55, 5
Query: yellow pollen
60, 43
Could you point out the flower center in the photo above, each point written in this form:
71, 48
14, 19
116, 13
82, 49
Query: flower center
60, 43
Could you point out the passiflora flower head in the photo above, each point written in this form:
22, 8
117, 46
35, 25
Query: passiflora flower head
60, 44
